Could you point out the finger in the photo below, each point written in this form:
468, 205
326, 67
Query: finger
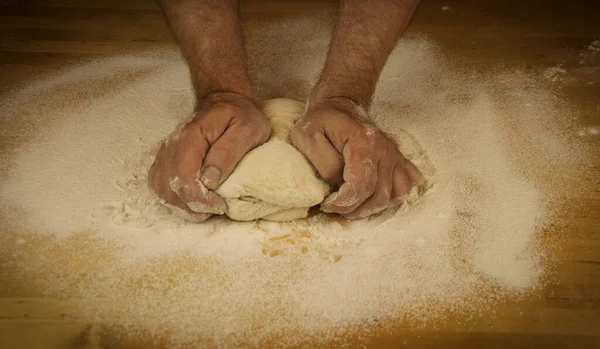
173, 202
186, 183
401, 184
167, 196
180, 209
360, 180
380, 200
414, 175
197, 197
154, 173
224, 155
322, 155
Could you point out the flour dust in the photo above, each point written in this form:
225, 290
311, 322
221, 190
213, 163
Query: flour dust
80, 223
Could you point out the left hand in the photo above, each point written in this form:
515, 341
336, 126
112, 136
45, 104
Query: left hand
201, 154
372, 174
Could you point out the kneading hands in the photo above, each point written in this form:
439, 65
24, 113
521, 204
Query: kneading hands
334, 134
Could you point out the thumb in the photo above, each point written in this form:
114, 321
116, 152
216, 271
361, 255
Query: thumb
224, 155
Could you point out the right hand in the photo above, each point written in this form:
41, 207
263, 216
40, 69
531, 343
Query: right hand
201, 154
366, 166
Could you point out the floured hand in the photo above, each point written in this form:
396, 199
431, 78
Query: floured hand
370, 171
202, 153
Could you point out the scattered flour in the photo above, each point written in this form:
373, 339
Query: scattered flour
75, 188
555, 73
589, 131
591, 53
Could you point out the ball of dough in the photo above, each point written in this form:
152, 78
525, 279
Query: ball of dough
274, 181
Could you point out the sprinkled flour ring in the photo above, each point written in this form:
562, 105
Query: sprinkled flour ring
128, 262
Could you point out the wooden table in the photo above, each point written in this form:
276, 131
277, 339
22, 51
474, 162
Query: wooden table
40, 36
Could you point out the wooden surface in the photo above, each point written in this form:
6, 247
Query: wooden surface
37, 37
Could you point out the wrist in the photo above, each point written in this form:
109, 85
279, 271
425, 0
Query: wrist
344, 104
219, 85
357, 86
240, 99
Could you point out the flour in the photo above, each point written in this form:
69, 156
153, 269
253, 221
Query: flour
589, 131
555, 73
590, 54
75, 190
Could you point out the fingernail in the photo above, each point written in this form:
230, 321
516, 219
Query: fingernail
210, 177
328, 200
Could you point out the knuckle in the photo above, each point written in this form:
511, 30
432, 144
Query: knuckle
401, 190
187, 214
368, 176
175, 185
365, 212
298, 136
205, 128
222, 154
190, 129
155, 181
369, 186
265, 133
250, 130
260, 133
363, 192
154, 184
181, 187
380, 201
199, 206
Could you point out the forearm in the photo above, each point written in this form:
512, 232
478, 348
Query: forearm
209, 35
364, 35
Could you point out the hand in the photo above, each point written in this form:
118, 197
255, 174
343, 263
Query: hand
347, 152
201, 154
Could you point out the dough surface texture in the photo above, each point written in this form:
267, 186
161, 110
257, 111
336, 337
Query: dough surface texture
274, 181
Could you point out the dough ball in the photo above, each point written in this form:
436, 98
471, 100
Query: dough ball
274, 181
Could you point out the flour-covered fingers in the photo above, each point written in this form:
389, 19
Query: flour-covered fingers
401, 184
380, 200
175, 204
321, 153
414, 175
167, 196
175, 175
155, 175
228, 150
190, 149
374, 170
360, 180
197, 197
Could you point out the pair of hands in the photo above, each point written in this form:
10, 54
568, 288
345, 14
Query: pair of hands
351, 155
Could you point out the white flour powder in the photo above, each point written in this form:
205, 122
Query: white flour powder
80, 223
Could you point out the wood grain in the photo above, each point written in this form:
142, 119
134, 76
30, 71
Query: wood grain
38, 37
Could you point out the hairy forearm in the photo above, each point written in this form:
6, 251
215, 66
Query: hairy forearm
209, 35
364, 35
